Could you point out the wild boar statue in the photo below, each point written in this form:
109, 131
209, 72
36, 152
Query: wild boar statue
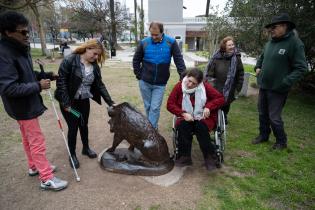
147, 154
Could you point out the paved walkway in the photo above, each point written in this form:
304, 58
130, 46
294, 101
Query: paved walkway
191, 59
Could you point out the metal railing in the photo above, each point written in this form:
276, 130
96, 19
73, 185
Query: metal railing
195, 20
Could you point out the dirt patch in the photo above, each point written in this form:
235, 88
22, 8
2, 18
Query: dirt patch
244, 154
229, 171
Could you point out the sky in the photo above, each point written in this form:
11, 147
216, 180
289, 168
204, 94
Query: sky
194, 7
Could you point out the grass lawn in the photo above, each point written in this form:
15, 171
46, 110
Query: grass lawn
248, 68
37, 54
267, 179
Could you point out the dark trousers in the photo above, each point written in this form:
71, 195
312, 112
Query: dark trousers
270, 105
74, 123
226, 109
185, 136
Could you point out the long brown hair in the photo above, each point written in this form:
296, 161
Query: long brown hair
92, 44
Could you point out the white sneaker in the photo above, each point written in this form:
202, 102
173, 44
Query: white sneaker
32, 172
54, 184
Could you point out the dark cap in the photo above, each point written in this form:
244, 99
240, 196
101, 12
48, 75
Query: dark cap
282, 18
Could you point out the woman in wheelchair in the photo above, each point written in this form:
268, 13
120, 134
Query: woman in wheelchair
195, 104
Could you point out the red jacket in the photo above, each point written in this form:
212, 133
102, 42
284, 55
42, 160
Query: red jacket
214, 101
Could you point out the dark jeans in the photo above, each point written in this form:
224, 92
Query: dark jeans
226, 109
270, 105
185, 136
74, 123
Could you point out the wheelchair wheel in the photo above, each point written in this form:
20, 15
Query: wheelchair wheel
219, 159
217, 139
221, 130
175, 143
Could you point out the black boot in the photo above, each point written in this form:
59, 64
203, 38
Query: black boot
183, 161
210, 163
88, 152
75, 161
279, 146
259, 139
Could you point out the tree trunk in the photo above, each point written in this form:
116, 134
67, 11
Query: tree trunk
136, 22
207, 8
113, 43
142, 22
40, 28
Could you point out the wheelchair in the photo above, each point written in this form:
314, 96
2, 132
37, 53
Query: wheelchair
217, 136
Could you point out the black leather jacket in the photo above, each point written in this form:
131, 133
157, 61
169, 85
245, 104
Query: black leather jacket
70, 79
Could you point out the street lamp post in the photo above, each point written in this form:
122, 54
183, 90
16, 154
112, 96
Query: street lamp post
53, 32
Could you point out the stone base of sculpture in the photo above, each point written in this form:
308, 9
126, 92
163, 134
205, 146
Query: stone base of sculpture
124, 161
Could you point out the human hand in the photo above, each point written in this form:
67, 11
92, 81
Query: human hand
187, 117
54, 76
44, 84
67, 109
206, 113
258, 71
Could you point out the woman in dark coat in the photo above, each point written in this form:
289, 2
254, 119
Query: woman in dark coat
226, 72
195, 103
79, 80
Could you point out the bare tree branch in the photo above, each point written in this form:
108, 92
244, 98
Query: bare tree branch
17, 7
27, 2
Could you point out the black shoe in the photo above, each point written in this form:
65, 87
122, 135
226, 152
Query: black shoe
210, 163
183, 161
88, 152
278, 146
259, 140
75, 161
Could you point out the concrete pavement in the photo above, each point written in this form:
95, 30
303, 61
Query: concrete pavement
125, 55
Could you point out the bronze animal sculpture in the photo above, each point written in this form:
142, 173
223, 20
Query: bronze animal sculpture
148, 152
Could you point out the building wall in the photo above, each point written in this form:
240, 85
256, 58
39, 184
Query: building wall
190, 31
165, 10
176, 31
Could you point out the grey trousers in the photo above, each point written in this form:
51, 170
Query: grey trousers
270, 105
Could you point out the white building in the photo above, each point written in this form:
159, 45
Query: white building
188, 32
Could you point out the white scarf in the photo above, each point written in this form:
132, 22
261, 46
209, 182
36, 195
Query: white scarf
200, 99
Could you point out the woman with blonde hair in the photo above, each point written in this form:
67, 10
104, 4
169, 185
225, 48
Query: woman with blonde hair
225, 70
79, 80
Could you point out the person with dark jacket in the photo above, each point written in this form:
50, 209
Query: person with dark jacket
226, 72
79, 80
281, 64
151, 64
195, 104
20, 89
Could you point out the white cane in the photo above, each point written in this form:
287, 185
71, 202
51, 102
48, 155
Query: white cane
63, 135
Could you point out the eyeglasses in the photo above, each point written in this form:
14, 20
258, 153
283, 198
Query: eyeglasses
23, 31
